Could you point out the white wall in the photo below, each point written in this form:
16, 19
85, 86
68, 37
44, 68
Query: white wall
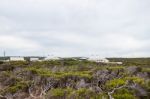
98, 59
34, 59
17, 59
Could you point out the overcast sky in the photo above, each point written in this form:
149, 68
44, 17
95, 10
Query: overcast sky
109, 28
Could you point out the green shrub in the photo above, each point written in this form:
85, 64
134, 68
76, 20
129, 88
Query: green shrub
116, 68
1, 62
57, 92
115, 83
100, 96
14, 88
48, 73
82, 93
136, 80
82, 74
7, 73
123, 94
39, 71
18, 63
146, 70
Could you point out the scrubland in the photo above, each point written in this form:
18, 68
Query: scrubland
75, 79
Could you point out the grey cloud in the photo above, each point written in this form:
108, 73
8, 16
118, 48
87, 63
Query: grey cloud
79, 27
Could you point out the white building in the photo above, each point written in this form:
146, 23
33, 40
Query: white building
51, 58
17, 58
34, 59
98, 59
117, 63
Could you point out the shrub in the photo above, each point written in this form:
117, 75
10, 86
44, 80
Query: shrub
18, 86
39, 71
146, 70
136, 80
115, 83
123, 94
18, 63
82, 74
82, 93
116, 68
47, 73
1, 62
57, 92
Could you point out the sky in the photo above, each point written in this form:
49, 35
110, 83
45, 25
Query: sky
108, 28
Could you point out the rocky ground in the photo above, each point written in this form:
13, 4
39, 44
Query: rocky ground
73, 79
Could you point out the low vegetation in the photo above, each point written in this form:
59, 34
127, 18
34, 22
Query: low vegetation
75, 79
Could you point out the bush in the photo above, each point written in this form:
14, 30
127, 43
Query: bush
1, 62
39, 71
123, 94
47, 73
136, 80
59, 93
18, 86
83, 93
18, 63
115, 83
